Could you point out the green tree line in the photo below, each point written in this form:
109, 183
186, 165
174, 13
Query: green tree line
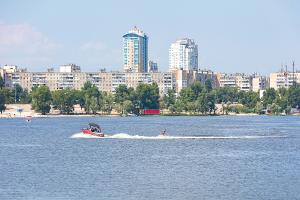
194, 99
202, 99
89, 97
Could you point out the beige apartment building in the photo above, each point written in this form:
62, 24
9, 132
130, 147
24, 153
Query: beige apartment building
241, 81
259, 83
283, 79
186, 77
71, 77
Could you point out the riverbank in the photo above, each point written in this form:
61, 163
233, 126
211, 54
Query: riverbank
24, 110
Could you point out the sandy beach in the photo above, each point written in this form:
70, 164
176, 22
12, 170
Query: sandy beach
25, 110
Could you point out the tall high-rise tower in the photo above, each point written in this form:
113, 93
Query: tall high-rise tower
135, 51
183, 54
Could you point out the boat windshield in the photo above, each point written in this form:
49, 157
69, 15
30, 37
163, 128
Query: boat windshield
95, 127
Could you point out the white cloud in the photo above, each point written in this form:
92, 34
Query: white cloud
25, 38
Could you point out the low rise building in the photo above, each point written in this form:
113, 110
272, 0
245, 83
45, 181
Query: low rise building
152, 66
186, 77
284, 79
260, 83
7, 74
241, 81
226, 80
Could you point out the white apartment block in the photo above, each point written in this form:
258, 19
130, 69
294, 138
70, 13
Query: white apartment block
165, 80
183, 54
283, 79
105, 81
259, 83
69, 68
227, 80
241, 81
6, 73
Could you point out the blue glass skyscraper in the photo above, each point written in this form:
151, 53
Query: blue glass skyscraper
135, 51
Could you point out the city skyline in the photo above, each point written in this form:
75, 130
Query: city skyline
232, 37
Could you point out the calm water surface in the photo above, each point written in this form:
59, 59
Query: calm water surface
40, 160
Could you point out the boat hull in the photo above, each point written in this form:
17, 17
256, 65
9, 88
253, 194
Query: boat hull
89, 132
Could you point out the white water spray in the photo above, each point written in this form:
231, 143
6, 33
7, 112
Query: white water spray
167, 137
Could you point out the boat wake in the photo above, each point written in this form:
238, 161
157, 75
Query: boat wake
167, 137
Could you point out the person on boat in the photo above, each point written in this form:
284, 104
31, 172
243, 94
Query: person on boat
28, 118
95, 127
164, 132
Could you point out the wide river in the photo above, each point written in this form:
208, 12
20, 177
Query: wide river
226, 157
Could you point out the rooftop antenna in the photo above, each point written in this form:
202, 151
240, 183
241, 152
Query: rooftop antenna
294, 83
286, 76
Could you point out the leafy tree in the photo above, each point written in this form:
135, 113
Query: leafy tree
211, 99
9, 98
179, 106
208, 85
227, 107
87, 85
192, 92
192, 106
169, 98
249, 98
269, 96
282, 92
282, 102
41, 99
294, 96
202, 103
25, 96
187, 95
122, 95
92, 98
275, 109
237, 108
108, 102
16, 93
94, 105
259, 108
2, 84
223, 108
128, 107
64, 100
197, 89
2, 101
172, 108
79, 98
148, 96
226, 94
206, 102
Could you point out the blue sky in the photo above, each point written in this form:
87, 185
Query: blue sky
232, 36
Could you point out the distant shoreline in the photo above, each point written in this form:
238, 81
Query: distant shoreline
11, 112
5, 116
